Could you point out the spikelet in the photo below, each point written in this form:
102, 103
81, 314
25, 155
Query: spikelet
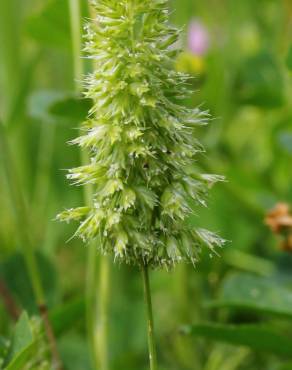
140, 139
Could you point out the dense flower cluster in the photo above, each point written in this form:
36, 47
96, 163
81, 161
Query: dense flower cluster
140, 139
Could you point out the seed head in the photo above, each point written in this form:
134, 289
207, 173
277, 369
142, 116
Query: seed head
140, 139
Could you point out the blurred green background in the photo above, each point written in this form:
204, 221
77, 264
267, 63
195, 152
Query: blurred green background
232, 311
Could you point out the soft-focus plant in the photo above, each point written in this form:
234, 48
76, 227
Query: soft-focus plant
28, 348
198, 38
189, 63
142, 145
279, 219
192, 60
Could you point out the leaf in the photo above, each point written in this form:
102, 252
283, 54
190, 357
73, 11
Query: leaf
40, 102
289, 58
55, 106
22, 334
65, 317
249, 262
260, 82
23, 344
71, 108
51, 26
248, 292
256, 337
4, 343
21, 359
14, 272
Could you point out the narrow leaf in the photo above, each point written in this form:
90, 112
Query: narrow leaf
256, 337
248, 292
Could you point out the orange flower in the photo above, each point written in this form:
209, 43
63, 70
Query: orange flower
279, 219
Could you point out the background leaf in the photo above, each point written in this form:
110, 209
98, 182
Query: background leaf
40, 102
51, 26
260, 82
256, 337
22, 344
71, 109
14, 272
248, 292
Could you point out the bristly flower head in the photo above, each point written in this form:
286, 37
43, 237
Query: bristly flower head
141, 140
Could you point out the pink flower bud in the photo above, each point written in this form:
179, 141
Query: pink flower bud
198, 38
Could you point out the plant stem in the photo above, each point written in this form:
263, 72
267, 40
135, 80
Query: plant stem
97, 318
102, 323
91, 300
10, 53
76, 41
22, 221
150, 324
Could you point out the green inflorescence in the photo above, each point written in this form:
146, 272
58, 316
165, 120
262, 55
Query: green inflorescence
140, 139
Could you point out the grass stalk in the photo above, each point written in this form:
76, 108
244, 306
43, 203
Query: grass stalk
10, 54
103, 308
75, 19
150, 322
97, 317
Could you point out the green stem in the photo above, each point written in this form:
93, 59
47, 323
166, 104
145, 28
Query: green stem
91, 281
101, 337
91, 300
23, 227
97, 317
76, 41
150, 324
10, 53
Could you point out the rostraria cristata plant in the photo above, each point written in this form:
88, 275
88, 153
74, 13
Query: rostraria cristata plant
141, 141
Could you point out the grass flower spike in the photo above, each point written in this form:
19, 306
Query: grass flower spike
140, 139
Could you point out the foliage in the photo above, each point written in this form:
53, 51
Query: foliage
27, 349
